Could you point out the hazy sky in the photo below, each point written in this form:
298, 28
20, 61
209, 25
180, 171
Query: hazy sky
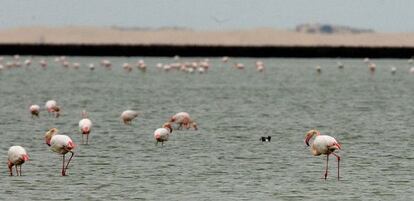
380, 15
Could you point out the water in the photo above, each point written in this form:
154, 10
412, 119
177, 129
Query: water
371, 115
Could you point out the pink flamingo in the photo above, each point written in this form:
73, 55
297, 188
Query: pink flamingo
17, 155
323, 144
53, 108
183, 119
34, 110
162, 134
128, 115
85, 126
61, 144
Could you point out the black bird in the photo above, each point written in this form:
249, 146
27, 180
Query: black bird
266, 139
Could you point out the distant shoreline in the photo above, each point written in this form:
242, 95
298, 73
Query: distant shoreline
167, 50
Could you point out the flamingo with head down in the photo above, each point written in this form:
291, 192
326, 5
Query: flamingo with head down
162, 134
183, 119
53, 108
17, 155
128, 115
34, 110
323, 144
61, 144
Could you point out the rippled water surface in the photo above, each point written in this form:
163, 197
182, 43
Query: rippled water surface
371, 115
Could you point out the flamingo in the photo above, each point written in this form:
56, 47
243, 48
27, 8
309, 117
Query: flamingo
43, 63
372, 67
128, 115
318, 69
17, 156
34, 110
52, 107
85, 126
340, 65
183, 119
28, 62
323, 144
162, 134
239, 66
412, 70
61, 144
393, 70
91, 67
259, 66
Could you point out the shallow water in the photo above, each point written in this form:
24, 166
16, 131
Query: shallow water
371, 116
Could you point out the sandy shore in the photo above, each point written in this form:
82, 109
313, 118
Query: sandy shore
254, 37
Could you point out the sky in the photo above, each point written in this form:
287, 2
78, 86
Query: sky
380, 15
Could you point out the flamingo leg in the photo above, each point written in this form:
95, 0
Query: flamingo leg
63, 166
338, 158
11, 171
326, 170
20, 170
82, 138
67, 164
87, 139
17, 171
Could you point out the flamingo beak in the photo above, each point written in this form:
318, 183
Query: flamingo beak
337, 145
308, 137
25, 157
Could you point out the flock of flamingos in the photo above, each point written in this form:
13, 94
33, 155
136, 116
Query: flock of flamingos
63, 144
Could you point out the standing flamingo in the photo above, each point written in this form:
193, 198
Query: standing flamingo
85, 126
34, 110
52, 108
60, 144
323, 144
183, 119
128, 115
162, 134
17, 156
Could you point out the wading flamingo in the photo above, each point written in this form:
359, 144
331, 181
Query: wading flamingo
17, 156
183, 119
162, 134
53, 108
128, 115
323, 144
85, 126
34, 110
61, 144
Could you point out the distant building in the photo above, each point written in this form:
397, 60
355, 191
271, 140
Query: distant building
330, 29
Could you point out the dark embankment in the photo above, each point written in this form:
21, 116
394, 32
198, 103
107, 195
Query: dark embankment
208, 51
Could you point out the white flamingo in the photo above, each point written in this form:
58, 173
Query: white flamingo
162, 134
183, 119
323, 144
34, 110
85, 126
61, 144
53, 108
17, 155
393, 70
128, 115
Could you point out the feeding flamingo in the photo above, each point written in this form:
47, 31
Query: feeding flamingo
52, 107
85, 126
323, 144
183, 119
128, 115
17, 155
34, 110
61, 144
162, 134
